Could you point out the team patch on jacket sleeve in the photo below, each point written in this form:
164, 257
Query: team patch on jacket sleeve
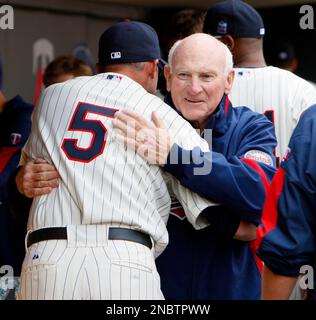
259, 156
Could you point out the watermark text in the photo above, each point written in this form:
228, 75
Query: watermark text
307, 20
6, 17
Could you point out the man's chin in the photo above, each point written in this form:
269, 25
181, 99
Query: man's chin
194, 115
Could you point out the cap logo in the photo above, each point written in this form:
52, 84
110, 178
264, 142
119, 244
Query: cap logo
262, 31
222, 27
115, 55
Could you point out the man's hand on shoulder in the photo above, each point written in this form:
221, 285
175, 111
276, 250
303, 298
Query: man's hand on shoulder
151, 140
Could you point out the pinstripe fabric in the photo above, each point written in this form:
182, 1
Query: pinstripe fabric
116, 188
270, 88
118, 270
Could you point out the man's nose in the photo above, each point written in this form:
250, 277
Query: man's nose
195, 86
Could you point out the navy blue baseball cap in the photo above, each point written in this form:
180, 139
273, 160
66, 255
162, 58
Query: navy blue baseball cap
128, 42
235, 18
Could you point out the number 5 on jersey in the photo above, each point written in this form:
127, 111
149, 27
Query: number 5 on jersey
81, 123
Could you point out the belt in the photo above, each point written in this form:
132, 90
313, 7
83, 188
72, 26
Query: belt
60, 233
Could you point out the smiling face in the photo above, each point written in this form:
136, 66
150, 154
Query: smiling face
197, 82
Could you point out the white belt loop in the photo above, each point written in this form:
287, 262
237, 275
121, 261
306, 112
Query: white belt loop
25, 240
87, 235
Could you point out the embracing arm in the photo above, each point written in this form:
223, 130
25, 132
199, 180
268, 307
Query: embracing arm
238, 182
35, 178
153, 142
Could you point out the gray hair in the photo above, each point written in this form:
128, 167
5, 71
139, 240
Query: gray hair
137, 65
171, 53
229, 57
133, 65
229, 60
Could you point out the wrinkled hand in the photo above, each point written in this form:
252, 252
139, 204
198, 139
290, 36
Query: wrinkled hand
151, 140
36, 178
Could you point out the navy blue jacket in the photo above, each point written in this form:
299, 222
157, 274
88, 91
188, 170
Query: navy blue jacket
15, 127
290, 241
208, 264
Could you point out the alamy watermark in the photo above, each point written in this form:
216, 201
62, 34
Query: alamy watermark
9, 284
307, 20
307, 277
6, 17
6, 277
153, 146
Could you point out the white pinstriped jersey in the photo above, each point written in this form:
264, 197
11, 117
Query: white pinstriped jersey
278, 93
103, 182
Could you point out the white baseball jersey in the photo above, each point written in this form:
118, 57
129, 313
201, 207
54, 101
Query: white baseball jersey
279, 94
102, 184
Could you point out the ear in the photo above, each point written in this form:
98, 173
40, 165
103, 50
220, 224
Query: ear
229, 81
152, 68
229, 41
167, 74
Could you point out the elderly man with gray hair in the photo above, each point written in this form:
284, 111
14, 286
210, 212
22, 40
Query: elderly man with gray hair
210, 263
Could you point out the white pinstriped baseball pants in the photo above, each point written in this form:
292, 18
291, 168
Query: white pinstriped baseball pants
88, 266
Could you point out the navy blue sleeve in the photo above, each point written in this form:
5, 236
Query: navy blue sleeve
291, 242
235, 182
223, 221
18, 204
15, 128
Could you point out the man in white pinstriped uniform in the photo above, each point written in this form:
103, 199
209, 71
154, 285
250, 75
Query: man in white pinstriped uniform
96, 236
279, 94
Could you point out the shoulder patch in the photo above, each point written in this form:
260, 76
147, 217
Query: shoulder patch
259, 156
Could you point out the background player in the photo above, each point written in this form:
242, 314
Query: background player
277, 93
64, 68
15, 127
282, 54
182, 24
290, 242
